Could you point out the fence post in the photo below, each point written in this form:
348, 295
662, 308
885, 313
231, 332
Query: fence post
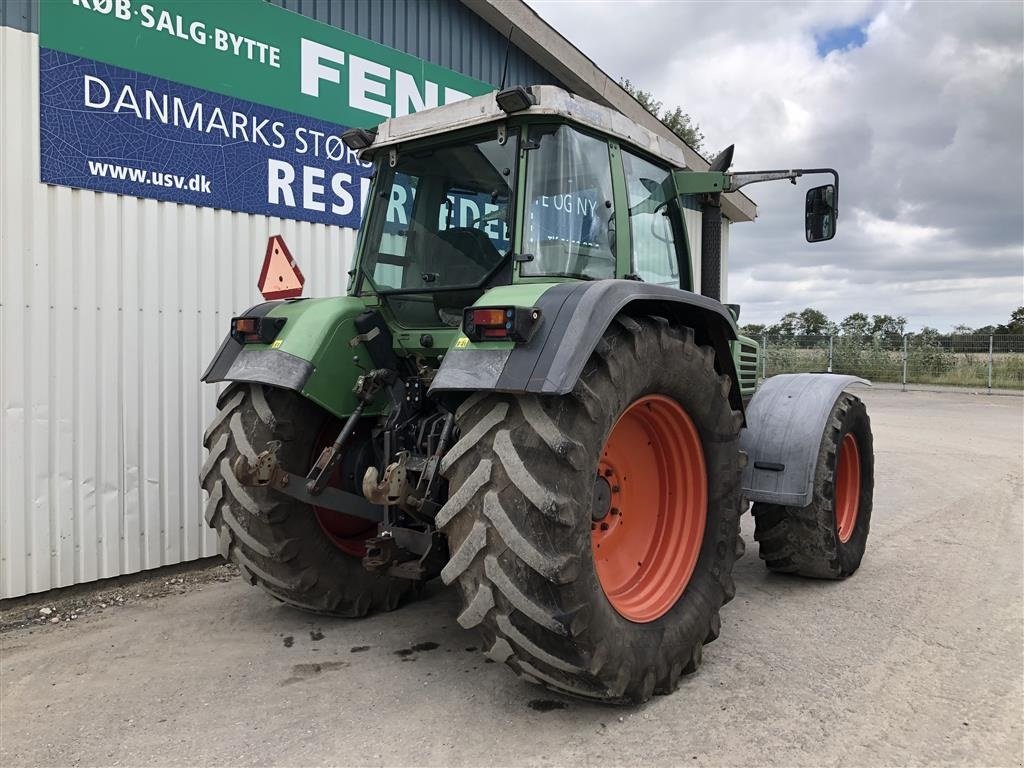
830, 337
990, 364
905, 337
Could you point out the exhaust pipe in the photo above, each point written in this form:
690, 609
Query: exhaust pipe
711, 248
711, 232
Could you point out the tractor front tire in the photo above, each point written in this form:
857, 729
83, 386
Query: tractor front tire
827, 538
544, 557
276, 540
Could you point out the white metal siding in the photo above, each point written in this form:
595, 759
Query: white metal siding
694, 229
110, 309
726, 224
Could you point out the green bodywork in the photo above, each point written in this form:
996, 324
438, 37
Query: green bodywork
320, 331
746, 357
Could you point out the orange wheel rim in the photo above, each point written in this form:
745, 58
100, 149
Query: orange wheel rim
847, 487
347, 533
646, 545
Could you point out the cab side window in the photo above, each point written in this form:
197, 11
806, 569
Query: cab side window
652, 206
570, 224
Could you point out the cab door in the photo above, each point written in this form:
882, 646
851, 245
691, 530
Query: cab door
658, 243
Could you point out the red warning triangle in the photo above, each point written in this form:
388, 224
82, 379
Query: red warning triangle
281, 277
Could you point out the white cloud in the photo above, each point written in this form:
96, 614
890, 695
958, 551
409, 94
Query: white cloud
898, 235
925, 122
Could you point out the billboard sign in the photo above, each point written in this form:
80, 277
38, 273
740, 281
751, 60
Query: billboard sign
234, 104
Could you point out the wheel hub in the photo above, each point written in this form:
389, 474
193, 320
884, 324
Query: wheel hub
602, 499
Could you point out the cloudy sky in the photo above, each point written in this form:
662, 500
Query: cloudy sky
919, 105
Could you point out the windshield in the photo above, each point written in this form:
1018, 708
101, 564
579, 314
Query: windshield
570, 222
442, 218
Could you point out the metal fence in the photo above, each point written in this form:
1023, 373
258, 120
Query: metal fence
990, 362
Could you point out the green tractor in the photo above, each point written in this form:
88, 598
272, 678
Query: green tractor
523, 395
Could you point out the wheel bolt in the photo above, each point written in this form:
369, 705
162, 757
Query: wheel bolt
615, 489
604, 526
608, 473
615, 510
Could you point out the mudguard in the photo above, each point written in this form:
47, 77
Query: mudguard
311, 355
785, 423
574, 317
220, 367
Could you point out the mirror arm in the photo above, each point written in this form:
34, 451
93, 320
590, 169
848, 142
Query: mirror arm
734, 181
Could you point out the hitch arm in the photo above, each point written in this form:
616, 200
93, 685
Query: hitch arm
324, 467
365, 388
267, 472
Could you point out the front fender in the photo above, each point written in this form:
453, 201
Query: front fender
311, 354
785, 425
574, 317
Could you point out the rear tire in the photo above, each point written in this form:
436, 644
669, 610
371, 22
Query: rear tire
518, 520
826, 539
276, 540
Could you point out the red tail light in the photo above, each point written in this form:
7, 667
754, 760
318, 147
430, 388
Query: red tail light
256, 330
500, 323
490, 317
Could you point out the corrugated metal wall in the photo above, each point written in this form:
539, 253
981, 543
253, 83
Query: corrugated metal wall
444, 32
110, 309
20, 14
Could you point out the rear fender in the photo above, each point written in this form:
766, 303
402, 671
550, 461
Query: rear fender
574, 317
311, 355
786, 421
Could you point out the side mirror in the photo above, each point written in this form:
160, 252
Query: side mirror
820, 213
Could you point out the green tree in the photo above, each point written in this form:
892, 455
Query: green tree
1016, 324
787, 327
677, 121
888, 327
753, 329
814, 322
856, 325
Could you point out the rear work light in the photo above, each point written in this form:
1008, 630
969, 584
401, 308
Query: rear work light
515, 99
256, 330
358, 138
500, 323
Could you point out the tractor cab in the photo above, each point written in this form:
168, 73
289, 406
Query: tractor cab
472, 196
530, 185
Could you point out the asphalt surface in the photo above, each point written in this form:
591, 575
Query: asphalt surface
916, 660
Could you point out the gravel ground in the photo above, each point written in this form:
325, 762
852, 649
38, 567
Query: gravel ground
916, 660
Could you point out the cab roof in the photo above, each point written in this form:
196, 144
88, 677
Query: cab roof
551, 102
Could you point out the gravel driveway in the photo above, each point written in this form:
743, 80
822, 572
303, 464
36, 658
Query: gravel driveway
915, 660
